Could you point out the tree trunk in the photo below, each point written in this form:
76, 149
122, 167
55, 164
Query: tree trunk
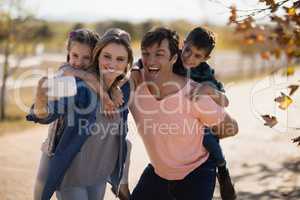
4, 79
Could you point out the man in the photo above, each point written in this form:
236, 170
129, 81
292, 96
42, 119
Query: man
171, 125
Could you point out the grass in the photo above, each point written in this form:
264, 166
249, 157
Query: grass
15, 121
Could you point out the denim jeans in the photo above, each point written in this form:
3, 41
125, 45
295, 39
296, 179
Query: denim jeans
198, 185
212, 145
95, 192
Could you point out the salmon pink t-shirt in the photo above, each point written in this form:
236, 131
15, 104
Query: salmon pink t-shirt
172, 129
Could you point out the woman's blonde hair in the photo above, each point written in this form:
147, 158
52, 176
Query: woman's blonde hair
117, 36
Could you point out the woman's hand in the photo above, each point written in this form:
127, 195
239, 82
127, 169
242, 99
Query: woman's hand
117, 96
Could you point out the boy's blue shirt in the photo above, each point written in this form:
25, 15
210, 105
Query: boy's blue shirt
70, 141
202, 73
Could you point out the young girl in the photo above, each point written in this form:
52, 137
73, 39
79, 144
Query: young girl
124, 192
81, 160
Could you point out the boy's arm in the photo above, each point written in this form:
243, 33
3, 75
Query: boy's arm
206, 89
227, 128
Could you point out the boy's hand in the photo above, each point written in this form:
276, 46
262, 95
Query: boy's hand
198, 90
117, 96
205, 89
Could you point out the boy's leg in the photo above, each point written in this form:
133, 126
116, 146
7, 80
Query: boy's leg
151, 187
212, 145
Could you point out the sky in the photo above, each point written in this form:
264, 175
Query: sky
213, 11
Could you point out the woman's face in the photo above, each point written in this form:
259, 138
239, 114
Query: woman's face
113, 60
80, 55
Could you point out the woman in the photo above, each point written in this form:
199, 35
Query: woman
91, 149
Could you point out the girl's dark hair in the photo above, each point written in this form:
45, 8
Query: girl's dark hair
83, 36
158, 35
117, 36
202, 39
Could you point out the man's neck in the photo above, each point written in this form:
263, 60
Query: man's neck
167, 85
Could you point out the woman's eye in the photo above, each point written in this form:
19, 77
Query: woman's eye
120, 59
106, 56
75, 55
159, 55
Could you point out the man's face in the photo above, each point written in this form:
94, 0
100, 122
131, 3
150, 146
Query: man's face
191, 56
157, 61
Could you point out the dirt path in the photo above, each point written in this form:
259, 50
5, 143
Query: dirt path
264, 162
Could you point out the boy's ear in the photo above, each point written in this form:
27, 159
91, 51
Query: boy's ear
207, 57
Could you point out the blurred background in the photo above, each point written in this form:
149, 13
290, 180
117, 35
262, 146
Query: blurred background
257, 40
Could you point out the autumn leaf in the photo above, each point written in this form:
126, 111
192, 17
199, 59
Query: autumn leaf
289, 71
296, 140
233, 16
270, 121
290, 11
284, 101
265, 55
293, 89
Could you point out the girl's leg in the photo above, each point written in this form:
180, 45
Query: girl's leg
41, 177
72, 193
96, 192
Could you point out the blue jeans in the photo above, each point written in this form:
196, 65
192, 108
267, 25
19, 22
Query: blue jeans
95, 192
198, 185
212, 145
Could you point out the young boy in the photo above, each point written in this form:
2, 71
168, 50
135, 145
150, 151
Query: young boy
197, 48
191, 63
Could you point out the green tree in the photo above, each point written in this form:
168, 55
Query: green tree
18, 28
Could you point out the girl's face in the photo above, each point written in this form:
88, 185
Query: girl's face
80, 55
113, 60
191, 56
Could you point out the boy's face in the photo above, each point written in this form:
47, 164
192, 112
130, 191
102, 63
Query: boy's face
191, 56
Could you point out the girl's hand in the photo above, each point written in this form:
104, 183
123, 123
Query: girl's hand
109, 108
41, 93
117, 96
68, 70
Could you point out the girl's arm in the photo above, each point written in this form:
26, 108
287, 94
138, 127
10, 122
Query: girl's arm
109, 104
40, 108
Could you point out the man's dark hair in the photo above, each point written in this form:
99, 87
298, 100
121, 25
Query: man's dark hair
202, 38
157, 35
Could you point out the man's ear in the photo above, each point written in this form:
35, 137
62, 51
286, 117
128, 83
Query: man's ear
174, 59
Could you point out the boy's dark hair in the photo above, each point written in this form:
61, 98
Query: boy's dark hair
157, 35
202, 39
